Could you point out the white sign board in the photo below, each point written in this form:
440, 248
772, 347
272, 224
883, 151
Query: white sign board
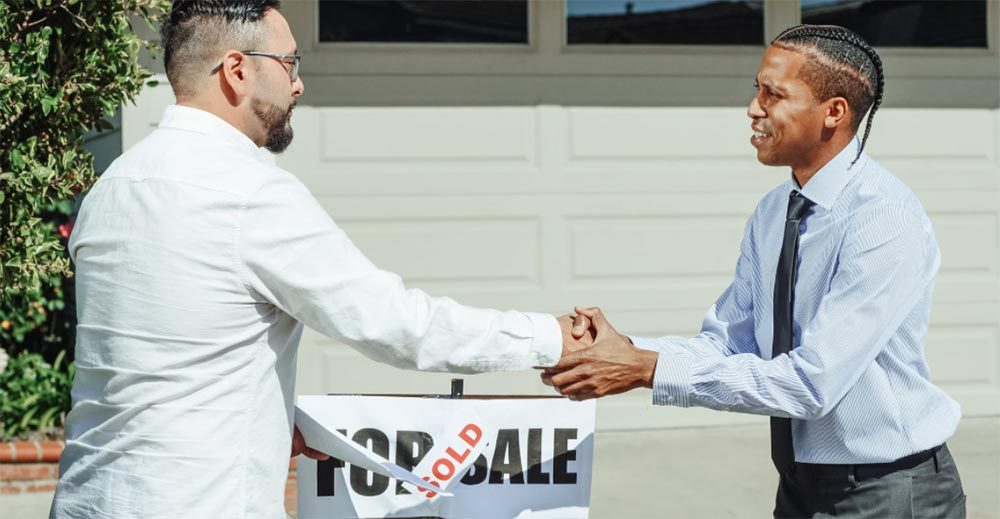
488, 458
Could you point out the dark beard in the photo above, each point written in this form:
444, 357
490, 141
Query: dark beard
275, 122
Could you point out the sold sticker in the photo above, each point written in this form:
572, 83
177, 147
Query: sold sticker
450, 458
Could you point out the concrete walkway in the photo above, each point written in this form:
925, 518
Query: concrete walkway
726, 472
704, 473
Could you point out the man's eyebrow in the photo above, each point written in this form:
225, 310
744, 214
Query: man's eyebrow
771, 86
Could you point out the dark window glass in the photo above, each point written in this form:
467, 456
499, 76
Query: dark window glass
665, 22
424, 21
905, 23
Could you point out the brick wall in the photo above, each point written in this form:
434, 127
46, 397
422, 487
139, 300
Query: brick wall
290, 489
29, 467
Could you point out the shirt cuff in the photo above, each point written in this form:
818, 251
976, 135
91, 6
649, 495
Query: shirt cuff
672, 380
546, 343
645, 343
671, 345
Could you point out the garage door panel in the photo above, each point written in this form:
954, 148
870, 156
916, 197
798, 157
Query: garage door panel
471, 251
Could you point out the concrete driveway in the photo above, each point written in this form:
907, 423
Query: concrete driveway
704, 473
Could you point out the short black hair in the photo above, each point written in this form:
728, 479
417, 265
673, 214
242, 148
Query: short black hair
196, 32
842, 64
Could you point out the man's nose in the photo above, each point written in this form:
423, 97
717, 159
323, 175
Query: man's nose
754, 111
298, 87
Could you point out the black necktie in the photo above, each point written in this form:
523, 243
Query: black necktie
782, 453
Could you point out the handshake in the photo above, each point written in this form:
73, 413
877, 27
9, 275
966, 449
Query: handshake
597, 360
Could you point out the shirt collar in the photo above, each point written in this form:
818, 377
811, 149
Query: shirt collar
196, 120
825, 186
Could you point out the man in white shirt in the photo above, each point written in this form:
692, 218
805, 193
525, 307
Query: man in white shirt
198, 262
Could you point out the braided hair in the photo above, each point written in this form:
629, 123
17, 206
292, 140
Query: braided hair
842, 64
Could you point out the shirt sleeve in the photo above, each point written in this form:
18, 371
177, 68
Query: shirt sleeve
294, 256
883, 268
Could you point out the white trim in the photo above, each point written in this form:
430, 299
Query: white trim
360, 74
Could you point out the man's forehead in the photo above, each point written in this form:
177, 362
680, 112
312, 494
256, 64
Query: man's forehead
780, 65
279, 32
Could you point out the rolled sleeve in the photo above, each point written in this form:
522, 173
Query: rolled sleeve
547, 344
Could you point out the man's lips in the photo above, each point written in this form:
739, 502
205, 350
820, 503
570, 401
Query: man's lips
758, 137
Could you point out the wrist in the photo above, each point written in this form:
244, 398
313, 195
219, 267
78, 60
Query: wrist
648, 359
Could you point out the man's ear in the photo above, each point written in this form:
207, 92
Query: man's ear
236, 71
838, 113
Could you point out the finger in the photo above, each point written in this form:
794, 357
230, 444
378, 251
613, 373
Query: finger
548, 374
298, 442
580, 325
568, 378
582, 390
597, 320
595, 315
315, 454
568, 361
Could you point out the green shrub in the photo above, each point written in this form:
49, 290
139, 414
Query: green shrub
65, 65
34, 396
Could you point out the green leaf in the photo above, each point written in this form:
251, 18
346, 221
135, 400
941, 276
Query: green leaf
27, 417
45, 422
59, 358
48, 104
16, 161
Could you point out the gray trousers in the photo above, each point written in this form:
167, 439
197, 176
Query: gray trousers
932, 489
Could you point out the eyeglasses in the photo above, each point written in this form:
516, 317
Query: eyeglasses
291, 59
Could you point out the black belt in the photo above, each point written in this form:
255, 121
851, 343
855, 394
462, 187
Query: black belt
868, 470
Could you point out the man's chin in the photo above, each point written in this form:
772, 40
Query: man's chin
279, 143
767, 159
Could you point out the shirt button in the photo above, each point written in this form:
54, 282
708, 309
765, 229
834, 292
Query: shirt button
802, 227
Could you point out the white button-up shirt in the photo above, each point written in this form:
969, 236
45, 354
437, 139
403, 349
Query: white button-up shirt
198, 261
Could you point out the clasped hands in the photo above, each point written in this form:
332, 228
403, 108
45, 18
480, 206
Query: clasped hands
597, 360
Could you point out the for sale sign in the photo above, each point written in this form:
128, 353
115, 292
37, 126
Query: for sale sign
489, 458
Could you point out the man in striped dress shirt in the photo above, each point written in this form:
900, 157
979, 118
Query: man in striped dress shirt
830, 341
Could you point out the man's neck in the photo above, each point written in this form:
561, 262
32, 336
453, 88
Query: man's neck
804, 174
224, 112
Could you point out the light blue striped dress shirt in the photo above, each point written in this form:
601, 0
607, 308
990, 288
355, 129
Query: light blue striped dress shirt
856, 383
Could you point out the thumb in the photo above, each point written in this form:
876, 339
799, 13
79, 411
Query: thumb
298, 442
597, 319
315, 454
580, 325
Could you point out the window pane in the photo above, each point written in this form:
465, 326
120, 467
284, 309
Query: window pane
905, 23
424, 21
661, 22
